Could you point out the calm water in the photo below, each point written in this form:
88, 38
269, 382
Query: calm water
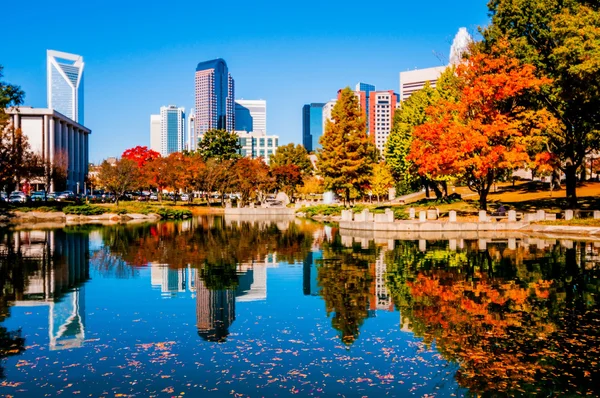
209, 307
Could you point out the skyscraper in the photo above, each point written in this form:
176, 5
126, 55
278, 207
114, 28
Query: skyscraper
167, 130
366, 88
312, 125
65, 84
251, 115
381, 116
155, 141
214, 97
192, 136
215, 311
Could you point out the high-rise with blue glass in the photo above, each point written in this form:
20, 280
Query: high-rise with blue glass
312, 126
171, 131
65, 84
214, 95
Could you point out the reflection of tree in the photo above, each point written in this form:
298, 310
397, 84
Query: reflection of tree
11, 343
346, 285
210, 244
517, 322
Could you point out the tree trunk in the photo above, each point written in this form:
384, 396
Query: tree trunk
347, 200
571, 182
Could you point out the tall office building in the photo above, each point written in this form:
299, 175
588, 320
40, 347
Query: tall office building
214, 93
327, 109
381, 116
155, 141
65, 84
366, 88
192, 137
312, 126
170, 136
251, 115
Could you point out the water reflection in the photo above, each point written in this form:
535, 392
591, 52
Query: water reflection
519, 317
44, 269
514, 316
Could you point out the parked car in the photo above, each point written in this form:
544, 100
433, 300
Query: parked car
3, 197
38, 196
66, 195
185, 197
153, 196
17, 197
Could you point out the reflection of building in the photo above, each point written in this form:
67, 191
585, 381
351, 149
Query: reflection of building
252, 284
310, 285
171, 281
57, 283
381, 299
215, 311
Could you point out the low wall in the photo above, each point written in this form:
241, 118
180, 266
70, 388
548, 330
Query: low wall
432, 226
259, 211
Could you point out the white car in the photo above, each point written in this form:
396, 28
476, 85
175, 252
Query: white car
17, 197
185, 197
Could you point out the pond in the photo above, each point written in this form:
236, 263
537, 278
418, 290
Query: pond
215, 307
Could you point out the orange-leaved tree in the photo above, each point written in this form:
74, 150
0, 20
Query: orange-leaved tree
486, 132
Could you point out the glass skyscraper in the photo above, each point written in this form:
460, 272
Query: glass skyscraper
366, 88
312, 126
172, 129
214, 94
65, 84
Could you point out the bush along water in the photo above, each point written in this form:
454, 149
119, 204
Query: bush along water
84, 210
173, 214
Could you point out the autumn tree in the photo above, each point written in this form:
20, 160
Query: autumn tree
411, 114
287, 177
140, 154
486, 132
381, 180
15, 154
562, 40
220, 145
251, 178
119, 178
311, 185
347, 155
51, 172
292, 154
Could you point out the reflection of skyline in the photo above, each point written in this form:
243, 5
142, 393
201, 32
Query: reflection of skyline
215, 311
57, 282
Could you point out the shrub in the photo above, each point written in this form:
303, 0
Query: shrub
173, 214
323, 210
84, 210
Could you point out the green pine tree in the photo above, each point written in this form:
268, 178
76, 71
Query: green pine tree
347, 155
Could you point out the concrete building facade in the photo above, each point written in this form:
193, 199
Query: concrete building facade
52, 135
257, 145
381, 116
251, 116
415, 80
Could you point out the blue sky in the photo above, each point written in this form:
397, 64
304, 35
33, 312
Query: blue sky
141, 55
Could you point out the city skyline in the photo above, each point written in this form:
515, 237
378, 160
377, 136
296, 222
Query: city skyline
284, 62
